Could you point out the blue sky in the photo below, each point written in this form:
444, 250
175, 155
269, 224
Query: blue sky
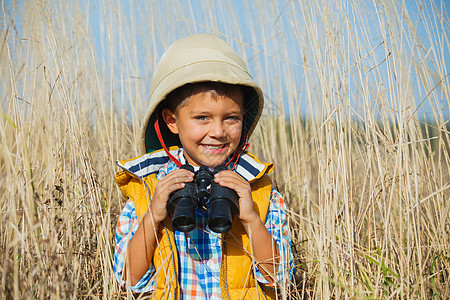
268, 43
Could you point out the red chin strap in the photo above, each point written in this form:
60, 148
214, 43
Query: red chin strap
158, 133
237, 153
240, 149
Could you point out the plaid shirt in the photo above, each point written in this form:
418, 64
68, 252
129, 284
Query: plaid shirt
200, 250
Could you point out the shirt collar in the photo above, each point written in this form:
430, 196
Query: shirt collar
248, 166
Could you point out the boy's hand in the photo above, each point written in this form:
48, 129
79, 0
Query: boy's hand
171, 182
234, 181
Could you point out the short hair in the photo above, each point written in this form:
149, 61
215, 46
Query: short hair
178, 97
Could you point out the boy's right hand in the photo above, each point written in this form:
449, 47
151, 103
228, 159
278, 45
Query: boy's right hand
171, 182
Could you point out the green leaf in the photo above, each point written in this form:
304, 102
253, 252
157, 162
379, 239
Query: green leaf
9, 121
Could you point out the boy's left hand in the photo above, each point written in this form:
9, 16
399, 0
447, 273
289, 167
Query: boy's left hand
234, 181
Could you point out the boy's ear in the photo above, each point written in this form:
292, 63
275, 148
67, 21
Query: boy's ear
170, 119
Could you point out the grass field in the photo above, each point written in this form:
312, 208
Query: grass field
356, 121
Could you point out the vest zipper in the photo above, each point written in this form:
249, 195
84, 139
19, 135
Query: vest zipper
224, 247
173, 263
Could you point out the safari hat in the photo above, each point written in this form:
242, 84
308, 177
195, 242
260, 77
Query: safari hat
193, 59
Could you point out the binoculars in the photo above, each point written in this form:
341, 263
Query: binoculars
223, 202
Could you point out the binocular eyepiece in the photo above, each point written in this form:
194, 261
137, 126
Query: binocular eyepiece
223, 202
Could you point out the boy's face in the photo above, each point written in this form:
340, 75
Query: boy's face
209, 127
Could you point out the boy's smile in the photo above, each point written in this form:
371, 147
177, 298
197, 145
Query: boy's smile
209, 126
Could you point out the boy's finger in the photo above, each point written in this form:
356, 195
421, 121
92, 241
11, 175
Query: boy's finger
179, 176
180, 171
230, 177
185, 177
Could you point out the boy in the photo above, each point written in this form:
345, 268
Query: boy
203, 106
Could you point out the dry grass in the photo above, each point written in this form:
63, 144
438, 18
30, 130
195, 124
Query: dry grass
364, 169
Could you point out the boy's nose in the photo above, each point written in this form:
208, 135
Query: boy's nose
217, 129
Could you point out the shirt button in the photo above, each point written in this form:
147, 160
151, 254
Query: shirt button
210, 264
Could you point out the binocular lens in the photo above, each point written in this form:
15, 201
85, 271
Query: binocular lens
184, 215
220, 218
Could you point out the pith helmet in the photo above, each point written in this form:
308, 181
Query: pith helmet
197, 58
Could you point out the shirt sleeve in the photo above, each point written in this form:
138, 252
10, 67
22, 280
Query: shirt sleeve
126, 227
277, 224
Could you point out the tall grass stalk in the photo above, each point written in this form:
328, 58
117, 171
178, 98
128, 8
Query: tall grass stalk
356, 120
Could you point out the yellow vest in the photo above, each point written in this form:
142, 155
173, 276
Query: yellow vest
236, 274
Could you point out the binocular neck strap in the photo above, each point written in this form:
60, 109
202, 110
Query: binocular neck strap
158, 133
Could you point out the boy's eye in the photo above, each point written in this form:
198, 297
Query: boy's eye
201, 118
233, 118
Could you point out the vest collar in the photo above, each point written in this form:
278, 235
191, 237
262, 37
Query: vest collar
248, 166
